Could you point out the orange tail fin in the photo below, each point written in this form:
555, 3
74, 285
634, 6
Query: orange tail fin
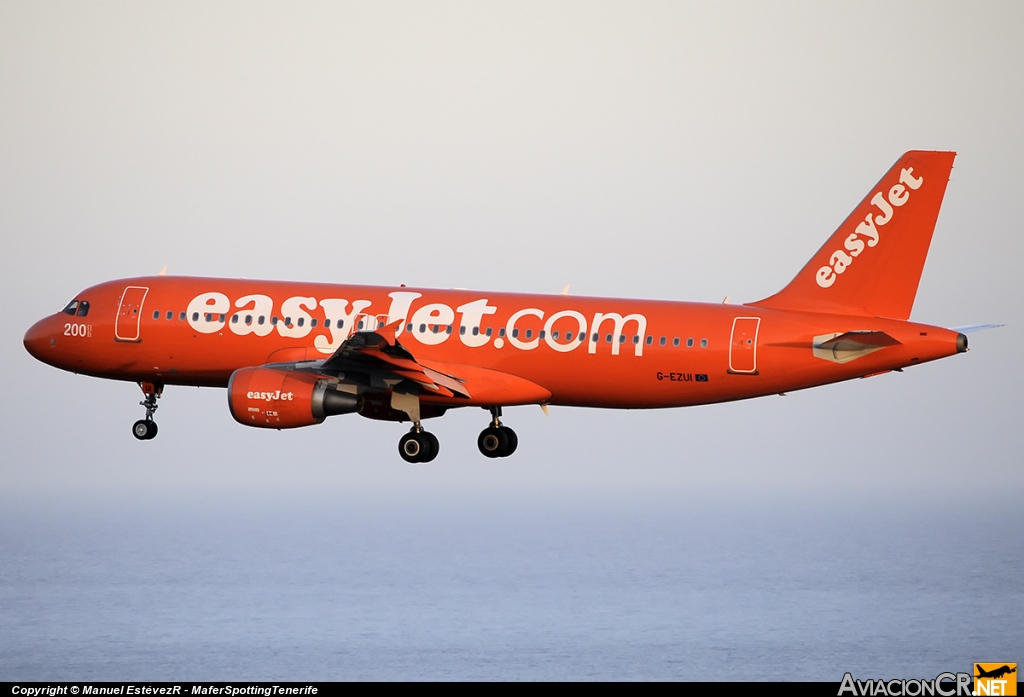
872, 264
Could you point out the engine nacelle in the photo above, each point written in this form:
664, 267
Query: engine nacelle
272, 398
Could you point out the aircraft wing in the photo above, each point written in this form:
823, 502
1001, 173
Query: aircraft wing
381, 358
380, 351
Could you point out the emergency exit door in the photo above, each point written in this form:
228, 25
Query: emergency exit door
129, 313
743, 345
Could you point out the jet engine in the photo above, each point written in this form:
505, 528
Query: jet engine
273, 398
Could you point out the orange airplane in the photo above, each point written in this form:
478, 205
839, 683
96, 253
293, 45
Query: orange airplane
292, 354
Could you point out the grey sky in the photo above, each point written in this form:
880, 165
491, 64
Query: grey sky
662, 150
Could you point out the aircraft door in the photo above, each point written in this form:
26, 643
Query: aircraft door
129, 313
743, 345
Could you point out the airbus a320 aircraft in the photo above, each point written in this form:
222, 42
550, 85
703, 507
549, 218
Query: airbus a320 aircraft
292, 354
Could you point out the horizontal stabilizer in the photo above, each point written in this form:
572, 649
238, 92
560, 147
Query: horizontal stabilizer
970, 328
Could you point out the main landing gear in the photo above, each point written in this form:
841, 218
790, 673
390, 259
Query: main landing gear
497, 440
418, 445
145, 429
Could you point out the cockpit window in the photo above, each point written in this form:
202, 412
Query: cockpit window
77, 307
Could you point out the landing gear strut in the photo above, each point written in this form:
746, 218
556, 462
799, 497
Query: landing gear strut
145, 429
418, 445
497, 440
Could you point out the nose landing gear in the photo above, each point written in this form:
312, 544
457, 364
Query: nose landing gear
497, 440
418, 445
145, 429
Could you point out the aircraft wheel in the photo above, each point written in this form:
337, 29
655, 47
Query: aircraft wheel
493, 442
434, 447
513, 441
144, 429
411, 448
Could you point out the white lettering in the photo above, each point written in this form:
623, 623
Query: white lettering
433, 314
825, 276
854, 245
293, 308
867, 228
898, 195
401, 301
510, 329
883, 205
211, 305
262, 306
576, 343
472, 315
620, 325
342, 322
907, 177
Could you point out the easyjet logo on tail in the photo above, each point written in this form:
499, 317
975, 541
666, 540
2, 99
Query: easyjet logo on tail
867, 232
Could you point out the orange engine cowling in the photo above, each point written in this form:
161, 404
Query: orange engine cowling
272, 398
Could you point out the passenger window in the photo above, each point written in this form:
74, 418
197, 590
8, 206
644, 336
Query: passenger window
515, 333
568, 335
195, 316
209, 317
181, 316
476, 331
689, 343
675, 342
302, 321
436, 328
554, 335
594, 338
234, 319
423, 328
273, 320
622, 338
287, 321
662, 341
607, 338
83, 308
501, 332
488, 331
650, 340
541, 334
170, 315
408, 327
222, 318
312, 322
636, 339
462, 331
703, 343
341, 323
529, 333
156, 314
248, 319
71, 308
448, 329
260, 320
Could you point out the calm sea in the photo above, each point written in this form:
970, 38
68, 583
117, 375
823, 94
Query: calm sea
521, 587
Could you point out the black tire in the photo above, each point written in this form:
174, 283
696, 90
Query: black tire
513, 441
492, 442
410, 447
432, 446
144, 429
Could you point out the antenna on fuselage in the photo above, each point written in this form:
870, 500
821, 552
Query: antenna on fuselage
163, 271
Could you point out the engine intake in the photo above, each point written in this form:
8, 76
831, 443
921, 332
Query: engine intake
274, 398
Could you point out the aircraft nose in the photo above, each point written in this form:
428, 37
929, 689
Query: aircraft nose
38, 338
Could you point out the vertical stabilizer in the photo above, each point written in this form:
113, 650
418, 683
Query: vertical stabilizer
872, 264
